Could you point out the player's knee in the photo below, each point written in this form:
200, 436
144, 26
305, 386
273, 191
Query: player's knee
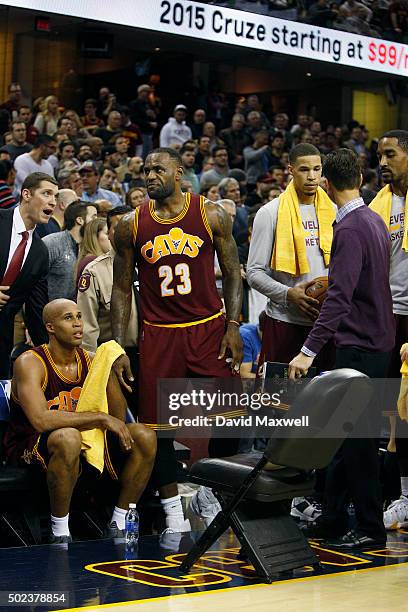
145, 439
65, 442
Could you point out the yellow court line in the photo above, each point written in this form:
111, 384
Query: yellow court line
247, 586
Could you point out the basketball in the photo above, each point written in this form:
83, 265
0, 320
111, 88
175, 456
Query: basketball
317, 289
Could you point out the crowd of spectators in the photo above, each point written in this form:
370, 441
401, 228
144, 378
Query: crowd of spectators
237, 154
379, 18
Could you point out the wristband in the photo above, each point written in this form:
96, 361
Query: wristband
235, 322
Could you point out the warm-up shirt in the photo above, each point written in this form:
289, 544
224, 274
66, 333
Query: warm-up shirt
358, 307
274, 285
399, 258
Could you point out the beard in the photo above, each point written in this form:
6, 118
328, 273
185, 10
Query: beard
160, 192
387, 177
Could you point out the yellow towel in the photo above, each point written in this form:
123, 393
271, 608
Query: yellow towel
382, 206
289, 251
403, 394
93, 398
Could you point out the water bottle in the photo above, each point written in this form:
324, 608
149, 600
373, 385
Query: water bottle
132, 527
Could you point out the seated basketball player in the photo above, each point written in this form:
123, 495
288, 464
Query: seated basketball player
45, 429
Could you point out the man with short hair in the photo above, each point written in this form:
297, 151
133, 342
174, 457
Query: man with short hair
202, 153
45, 429
391, 204
26, 115
176, 131
70, 179
143, 114
131, 174
24, 263
19, 145
12, 105
107, 179
92, 191
64, 198
188, 159
34, 161
290, 246
290, 312
236, 139
112, 129
63, 248
85, 152
199, 118
254, 123
220, 169
122, 147
357, 312
132, 132
181, 310
229, 189
257, 157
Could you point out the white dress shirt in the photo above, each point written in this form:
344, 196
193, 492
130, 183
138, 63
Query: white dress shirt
16, 235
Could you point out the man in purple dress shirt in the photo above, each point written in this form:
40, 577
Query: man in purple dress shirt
358, 313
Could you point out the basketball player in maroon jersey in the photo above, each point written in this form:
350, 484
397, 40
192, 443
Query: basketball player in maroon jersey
172, 238
44, 427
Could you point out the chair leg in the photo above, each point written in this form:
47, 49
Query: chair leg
271, 539
208, 538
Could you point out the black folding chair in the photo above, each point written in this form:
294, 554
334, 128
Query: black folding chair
255, 489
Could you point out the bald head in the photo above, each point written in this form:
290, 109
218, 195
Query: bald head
56, 308
230, 207
65, 197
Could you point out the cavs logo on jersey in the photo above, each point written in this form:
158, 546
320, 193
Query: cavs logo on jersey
65, 400
176, 242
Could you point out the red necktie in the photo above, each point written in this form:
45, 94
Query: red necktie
16, 262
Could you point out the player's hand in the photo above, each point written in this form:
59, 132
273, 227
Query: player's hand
308, 305
299, 366
232, 341
119, 428
404, 352
122, 368
4, 298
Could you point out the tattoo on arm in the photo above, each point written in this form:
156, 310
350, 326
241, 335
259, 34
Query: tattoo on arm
227, 252
123, 271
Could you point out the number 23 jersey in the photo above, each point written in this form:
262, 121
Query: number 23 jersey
175, 259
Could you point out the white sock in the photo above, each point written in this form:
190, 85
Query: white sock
59, 525
174, 512
404, 485
118, 517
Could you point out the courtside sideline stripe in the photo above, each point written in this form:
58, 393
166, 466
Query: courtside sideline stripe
224, 590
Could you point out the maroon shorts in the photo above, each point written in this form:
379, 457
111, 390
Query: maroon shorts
282, 341
33, 451
177, 352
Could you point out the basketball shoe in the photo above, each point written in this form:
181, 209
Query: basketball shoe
306, 509
205, 505
396, 515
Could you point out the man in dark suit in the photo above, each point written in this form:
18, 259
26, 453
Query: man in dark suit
24, 263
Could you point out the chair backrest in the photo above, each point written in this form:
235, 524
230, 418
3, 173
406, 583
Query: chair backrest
334, 402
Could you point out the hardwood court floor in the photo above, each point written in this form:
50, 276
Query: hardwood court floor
100, 575
375, 590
